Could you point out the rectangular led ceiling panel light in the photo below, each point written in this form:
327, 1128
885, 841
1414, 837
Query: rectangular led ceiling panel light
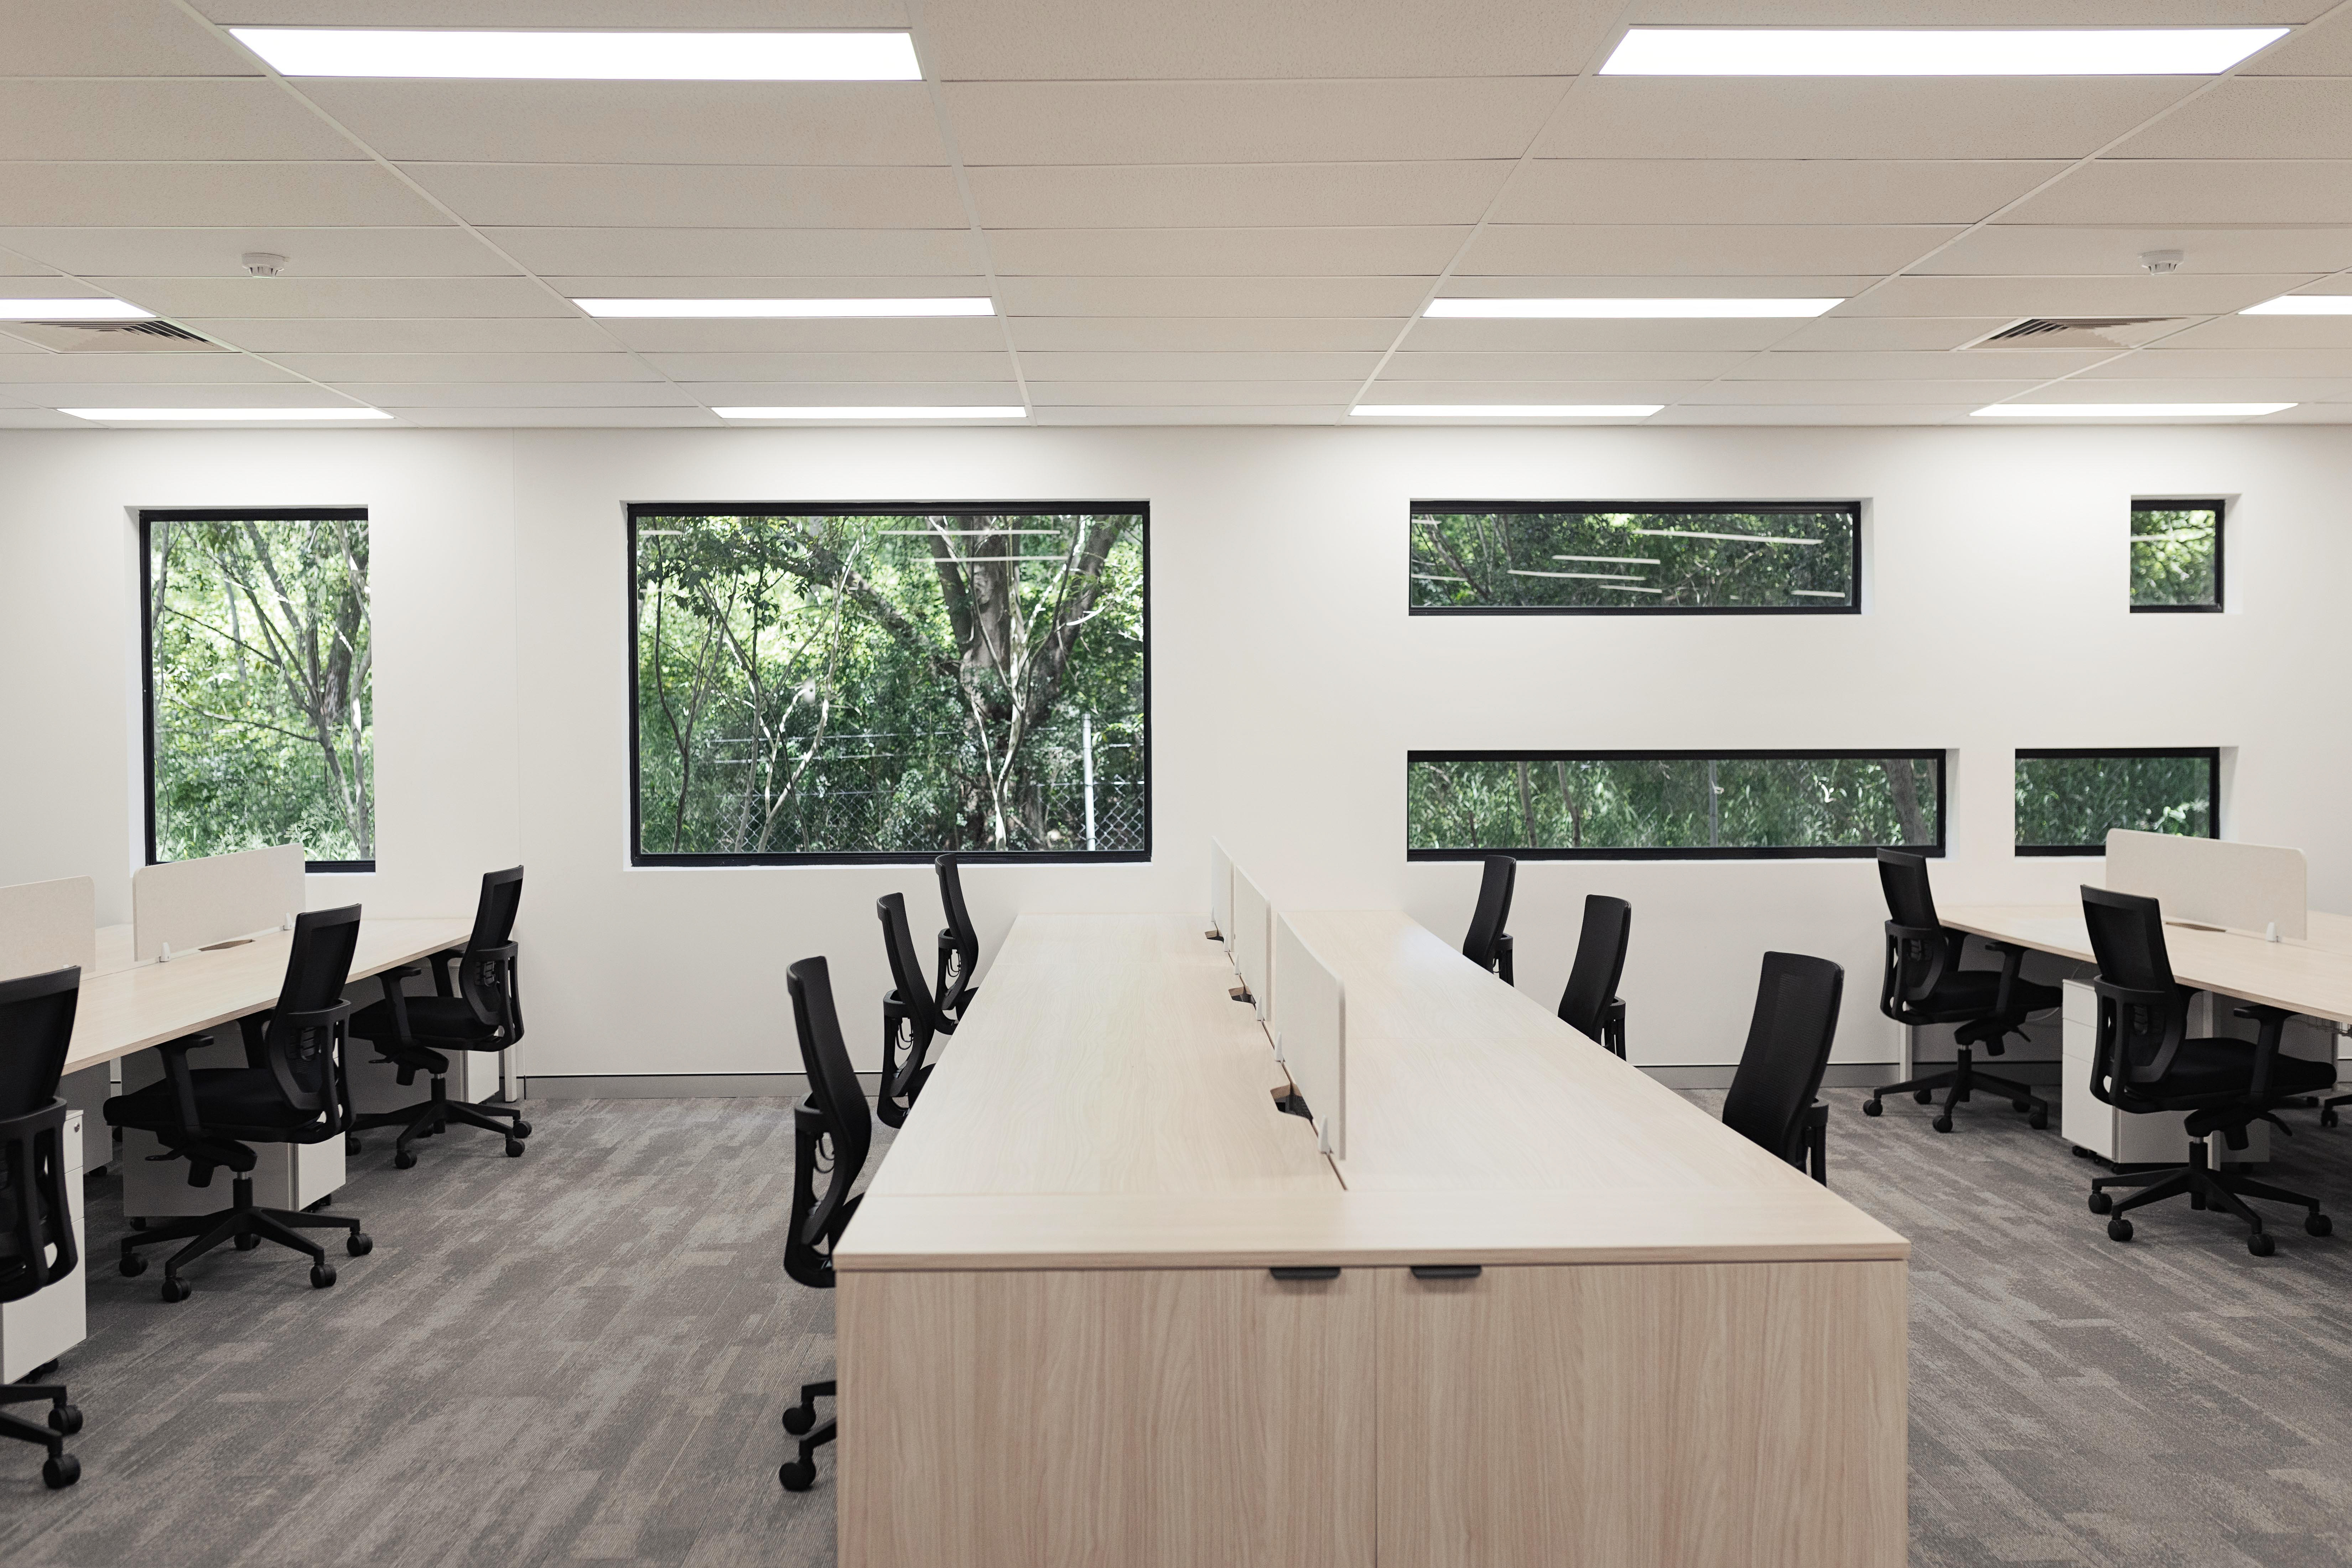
1935, 51
72, 310
785, 309
1505, 410
976, 412
2128, 410
218, 415
2302, 305
1627, 309
463, 53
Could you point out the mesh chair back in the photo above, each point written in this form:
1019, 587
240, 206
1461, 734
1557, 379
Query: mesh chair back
486, 973
1903, 878
839, 1102
906, 966
2143, 1016
302, 1035
1599, 964
36, 1017
1494, 911
958, 930
1788, 1049
2128, 940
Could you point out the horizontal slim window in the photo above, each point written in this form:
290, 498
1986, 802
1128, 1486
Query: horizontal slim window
1671, 805
1635, 558
2176, 556
2066, 801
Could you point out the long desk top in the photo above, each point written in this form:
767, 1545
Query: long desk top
127, 1009
1107, 1106
2312, 976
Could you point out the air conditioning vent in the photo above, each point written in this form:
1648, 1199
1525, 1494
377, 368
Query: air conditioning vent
2109, 333
110, 337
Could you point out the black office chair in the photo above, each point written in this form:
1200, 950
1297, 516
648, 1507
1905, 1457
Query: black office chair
36, 1236
1923, 982
1772, 1100
2141, 1062
912, 1018
1590, 1004
831, 1125
959, 943
1487, 945
483, 1013
289, 1092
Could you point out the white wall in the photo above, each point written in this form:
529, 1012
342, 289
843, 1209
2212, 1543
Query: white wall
1287, 681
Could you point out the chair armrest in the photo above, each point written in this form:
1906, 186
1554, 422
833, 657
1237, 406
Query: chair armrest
395, 997
1817, 1141
440, 962
184, 1086
2266, 1044
1503, 951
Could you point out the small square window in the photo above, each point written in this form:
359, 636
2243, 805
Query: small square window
2176, 556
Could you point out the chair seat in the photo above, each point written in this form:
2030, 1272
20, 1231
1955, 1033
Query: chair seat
228, 1102
1968, 995
2203, 1067
444, 1020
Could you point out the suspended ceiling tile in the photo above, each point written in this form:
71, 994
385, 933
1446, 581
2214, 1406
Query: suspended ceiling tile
2255, 118
2151, 387
1211, 295
972, 333
1244, 194
623, 287
1445, 332
2188, 364
1407, 251
365, 298
1393, 387
2032, 249
1188, 393
1850, 334
30, 373
1036, 40
521, 335
843, 367
892, 253
2176, 294
2313, 413
1852, 117
443, 251
700, 123
1233, 413
1979, 13
1812, 414
157, 118
15, 266
2006, 364
1234, 365
467, 367
2266, 333
1728, 250
1123, 333
207, 194
113, 38
689, 195
39, 419
998, 392
1409, 366
1128, 122
604, 417
1540, 286
213, 395
1748, 191
516, 393
681, 14
1829, 393
2324, 49
2170, 191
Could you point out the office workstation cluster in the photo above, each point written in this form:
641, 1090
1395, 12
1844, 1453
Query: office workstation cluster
1487, 785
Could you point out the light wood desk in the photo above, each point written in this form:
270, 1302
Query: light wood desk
1060, 1342
2312, 976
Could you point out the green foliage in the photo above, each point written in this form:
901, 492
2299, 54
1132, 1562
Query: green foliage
1670, 803
1639, 560
2173, 553
264, 706
2071, 802
890, 683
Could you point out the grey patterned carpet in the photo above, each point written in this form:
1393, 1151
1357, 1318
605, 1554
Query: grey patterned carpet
579, 1357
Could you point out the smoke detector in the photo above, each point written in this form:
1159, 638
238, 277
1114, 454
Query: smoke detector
2160, 261
264, 263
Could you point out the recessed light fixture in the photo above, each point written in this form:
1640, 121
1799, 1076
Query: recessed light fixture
1626, 310
2128, 410
973, 412
1935, 51
2302, 305
72, 310
219, 415
1505, 410
785, 309
465, 53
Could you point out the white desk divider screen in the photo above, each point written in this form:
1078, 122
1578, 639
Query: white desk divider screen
1310, 1031
47, 925
1252, 940
189, 903
1221, 892
2239, 887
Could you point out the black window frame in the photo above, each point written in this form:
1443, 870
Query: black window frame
635, 511
148, 516
2213, 755
2221, 508
1661, 508
1839, 852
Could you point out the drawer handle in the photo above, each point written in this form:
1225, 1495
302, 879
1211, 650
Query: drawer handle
1447, 1270
1310, 1272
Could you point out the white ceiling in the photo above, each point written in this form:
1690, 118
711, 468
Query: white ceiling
1200, 211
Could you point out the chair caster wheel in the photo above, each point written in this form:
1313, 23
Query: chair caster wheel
359, 1244
405, 1159
322, 1205
514, 1148
2318, 1224
523, 1129
65, 1419
2260, 1245
799, 1419
1924, 1096
247, 1243
138, 1225
1872, 1108
2039, 1120
2020, 1106
321, 1276
351, 1146
2119, 1229
134, 1265
2102, 1202
60, 1472
176, 1290
1942, 1123
2327, 1117
797, 1475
